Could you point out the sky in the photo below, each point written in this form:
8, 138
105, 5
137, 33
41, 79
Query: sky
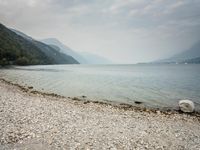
123, 31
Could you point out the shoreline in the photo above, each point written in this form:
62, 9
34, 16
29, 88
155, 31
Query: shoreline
31, 120
117, 105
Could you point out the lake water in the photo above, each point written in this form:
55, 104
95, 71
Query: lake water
155, 85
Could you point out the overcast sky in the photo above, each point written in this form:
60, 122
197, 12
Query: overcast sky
124, 31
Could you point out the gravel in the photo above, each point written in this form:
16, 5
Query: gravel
36, 121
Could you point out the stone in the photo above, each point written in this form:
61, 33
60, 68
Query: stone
186, 106
138, 102
30, 87
158, 112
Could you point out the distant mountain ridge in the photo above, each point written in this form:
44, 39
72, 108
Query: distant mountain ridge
190, 55
95, 59
82, 57
64, 49
192, 61
16, 48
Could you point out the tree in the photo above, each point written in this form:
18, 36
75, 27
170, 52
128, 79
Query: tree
4, 62
22, 61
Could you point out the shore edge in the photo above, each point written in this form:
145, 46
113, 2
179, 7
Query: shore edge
84, 100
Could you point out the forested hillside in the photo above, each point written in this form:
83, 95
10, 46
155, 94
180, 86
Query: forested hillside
17, 50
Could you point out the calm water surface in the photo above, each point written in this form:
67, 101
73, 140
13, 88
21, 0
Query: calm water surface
155, 85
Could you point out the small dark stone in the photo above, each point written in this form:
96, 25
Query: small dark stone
125, 106
85, 102
84, 96
75, 98
30, 87
138, 102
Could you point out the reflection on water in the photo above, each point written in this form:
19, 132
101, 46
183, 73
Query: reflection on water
156, 85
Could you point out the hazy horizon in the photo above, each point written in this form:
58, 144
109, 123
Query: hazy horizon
123, 31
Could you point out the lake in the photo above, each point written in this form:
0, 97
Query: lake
154, 85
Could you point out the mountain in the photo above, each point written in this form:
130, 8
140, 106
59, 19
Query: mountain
50, 50
192, 61
64, 49
188, 56
95, 59
17, 49
83, 58
22, 34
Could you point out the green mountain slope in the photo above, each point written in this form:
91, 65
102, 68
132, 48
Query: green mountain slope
17, 50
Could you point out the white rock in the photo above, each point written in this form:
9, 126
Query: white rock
186, 105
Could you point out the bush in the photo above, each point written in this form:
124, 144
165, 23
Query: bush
4, 62
22, 61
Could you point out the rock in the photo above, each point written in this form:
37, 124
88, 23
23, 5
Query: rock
186, 105
30, 87
85, 102
138, 102
75, 98
158, 112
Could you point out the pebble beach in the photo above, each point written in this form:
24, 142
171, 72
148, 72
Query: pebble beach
31, 120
